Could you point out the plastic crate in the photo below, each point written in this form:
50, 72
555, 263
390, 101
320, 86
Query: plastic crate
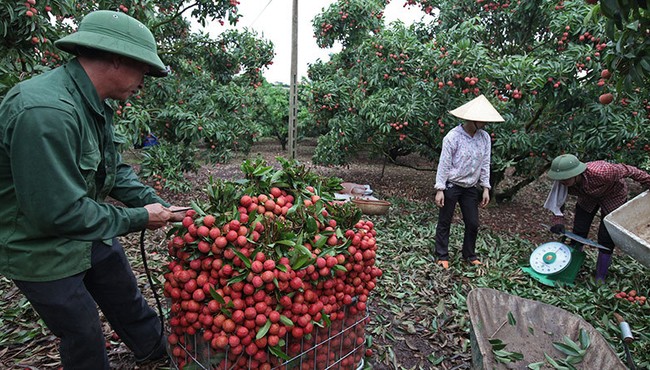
341, 345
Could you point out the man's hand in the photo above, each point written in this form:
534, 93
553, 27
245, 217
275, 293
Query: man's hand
440, 198
178, 213
557, 229
486, 197
158, 215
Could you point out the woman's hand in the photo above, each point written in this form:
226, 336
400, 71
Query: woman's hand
486, 197
440, 198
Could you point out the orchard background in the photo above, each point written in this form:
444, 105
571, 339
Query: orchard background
568, 77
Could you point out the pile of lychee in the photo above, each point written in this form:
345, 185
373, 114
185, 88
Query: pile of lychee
631, 296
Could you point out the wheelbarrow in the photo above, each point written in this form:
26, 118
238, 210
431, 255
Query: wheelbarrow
510, 332
629, 227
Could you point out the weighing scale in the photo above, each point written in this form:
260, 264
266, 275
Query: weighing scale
555, 262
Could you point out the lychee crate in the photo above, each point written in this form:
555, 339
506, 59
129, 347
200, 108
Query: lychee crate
337, 346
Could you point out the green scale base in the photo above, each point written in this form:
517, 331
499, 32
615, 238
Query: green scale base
567, 276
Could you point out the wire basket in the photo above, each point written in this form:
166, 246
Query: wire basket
339, 346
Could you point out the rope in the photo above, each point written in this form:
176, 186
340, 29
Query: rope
155, 294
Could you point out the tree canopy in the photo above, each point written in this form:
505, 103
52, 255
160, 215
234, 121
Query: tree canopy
546, 66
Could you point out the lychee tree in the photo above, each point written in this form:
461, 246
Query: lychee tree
26, 47
542, 64
273, 112
204, 102
628, 25
207, 103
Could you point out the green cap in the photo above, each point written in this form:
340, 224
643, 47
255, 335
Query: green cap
565, 167
116, 33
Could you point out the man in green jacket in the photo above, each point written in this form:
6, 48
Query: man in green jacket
58, 162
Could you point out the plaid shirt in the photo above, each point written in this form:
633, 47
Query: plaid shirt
603, 186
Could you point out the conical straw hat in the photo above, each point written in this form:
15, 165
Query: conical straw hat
478, 109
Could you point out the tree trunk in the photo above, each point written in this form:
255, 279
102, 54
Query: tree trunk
508, 193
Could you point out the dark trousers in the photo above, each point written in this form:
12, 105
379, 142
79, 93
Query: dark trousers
69, 309
582, 223
468, 199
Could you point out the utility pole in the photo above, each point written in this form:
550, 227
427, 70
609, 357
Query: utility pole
293, 84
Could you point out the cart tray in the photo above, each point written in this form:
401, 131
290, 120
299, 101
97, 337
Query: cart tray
536, 326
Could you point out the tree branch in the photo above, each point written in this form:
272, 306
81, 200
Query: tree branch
396, 163
175, 16
535, 117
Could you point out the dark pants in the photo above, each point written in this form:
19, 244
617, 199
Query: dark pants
468, 199
69, 309
582, 223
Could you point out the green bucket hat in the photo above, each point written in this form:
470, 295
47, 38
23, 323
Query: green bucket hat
116, 33
565, 167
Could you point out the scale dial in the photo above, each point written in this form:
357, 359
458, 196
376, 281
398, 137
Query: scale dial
550, 258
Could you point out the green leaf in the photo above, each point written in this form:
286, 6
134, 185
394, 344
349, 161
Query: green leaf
321, 242
440, 307
311, 225
645, 64
516, 356
511, 319
245, 260
585, 342
293, 209
572, 344
634, 26
569, 366
435, 360
196, 207
286, 321
551, 361
566, 349
277, 351
503, 360
216, 296
263, 330
289, 243
236, 279
574, 359
301, 262
497, 345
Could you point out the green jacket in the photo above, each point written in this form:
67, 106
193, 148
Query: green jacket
58, 162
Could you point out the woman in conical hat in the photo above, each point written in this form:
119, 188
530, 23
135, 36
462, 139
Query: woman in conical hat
463, 176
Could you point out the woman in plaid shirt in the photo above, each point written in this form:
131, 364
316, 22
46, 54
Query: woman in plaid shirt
598, 185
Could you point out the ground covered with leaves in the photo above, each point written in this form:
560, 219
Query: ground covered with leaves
418, 312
